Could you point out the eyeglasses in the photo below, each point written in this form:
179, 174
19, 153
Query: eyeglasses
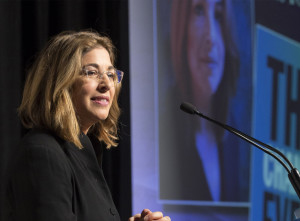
112, 73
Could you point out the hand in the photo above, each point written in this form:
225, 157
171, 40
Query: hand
147, 215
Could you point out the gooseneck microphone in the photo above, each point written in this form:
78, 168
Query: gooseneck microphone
293, 173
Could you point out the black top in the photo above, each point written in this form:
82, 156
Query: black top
55, 180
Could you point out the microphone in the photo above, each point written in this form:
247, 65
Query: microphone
293, 173
188, 108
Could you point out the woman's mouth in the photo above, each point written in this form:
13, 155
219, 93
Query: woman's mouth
208, 60
100, 100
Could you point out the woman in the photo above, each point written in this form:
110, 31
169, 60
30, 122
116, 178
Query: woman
206, 65
70, 104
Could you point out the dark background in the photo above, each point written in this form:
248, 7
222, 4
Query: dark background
25, 27
283, 17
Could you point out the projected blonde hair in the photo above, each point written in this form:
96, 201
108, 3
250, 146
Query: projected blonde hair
47, 97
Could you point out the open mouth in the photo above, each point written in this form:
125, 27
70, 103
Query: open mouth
100, 100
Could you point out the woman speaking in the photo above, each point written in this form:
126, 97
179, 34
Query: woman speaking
70, 105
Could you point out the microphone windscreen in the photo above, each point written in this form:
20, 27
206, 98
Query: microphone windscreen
188, 108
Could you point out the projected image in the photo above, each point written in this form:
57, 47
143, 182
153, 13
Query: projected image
204, 59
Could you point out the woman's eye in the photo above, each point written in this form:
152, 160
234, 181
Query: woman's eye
219, 10
219, 14
91, 72
199, 9
111, 75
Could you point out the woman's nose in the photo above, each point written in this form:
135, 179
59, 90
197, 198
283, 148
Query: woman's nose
211, 33
104, 83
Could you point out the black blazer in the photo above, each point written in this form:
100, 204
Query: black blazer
54, 180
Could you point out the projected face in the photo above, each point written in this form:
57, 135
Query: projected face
205, 49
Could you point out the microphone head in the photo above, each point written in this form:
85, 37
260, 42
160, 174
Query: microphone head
188, 108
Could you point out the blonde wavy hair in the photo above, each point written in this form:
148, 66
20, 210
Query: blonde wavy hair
47, 96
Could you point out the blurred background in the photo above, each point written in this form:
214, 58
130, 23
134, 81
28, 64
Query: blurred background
161, 163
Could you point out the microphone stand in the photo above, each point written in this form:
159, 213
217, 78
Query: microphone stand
293, 173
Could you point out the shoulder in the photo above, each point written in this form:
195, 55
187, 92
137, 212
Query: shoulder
39, 145
40, 137
43, 139
40, 161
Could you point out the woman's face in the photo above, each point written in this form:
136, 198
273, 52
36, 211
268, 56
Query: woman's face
92, 97
205, 49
